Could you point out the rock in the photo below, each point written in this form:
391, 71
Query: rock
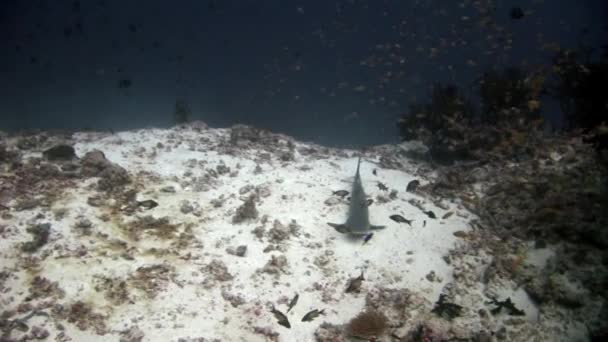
40, 236
186, 207
241, 250
245, 212
93, 163
60, 152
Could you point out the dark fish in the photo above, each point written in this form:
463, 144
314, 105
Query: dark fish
124, 83
375, 172
423, 223
281, 318
430, 214
369, 202
446, 215
367, 237
312, 315
400, 219
382, 187
516, 13
341, 193
354, 284
293, 302
67, 32
412, 186
76, 6
148, 204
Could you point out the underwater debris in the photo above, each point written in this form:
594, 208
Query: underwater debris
311, 315
354, 284
40, 236
412, 185
247, 211
367, 324
293, 302
281, 318
446, 310
400, 219
506, 304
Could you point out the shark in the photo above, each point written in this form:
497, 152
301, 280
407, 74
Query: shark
357, 222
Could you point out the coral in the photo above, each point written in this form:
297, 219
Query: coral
367, 324
247, 211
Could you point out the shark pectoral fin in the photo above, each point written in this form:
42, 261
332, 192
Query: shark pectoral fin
376, 227
341, 228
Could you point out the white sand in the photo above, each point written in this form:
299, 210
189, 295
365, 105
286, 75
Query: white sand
397, 257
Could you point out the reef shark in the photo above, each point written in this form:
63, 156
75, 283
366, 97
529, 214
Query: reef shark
357, 222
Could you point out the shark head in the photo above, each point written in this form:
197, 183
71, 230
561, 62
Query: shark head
357, 222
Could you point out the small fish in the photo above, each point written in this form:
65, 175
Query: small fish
400, 219
382, 187
369, 202
293, 302
354, 284
374, 172
312, 315
367, 237
147, 204
423, 223
124, 83
412, 186
516, 13
341, 193
430, 214
281, 318
446, 215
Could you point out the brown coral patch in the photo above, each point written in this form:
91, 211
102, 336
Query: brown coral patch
369, 323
